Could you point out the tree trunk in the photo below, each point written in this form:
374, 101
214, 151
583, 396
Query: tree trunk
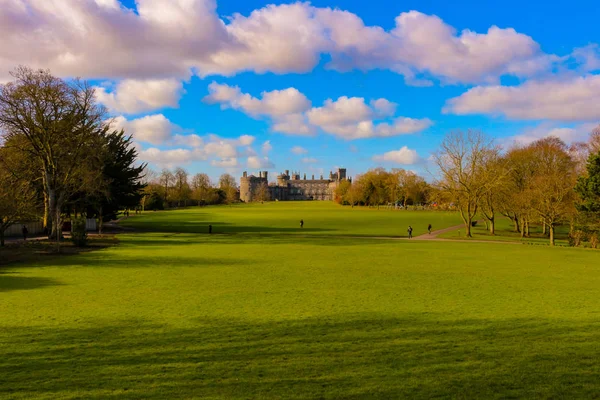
52, 231
46, 220
100, 221
1, 237
522, 228
543, 228
527, 228
551, 230
493, 226
516, 222
571, 226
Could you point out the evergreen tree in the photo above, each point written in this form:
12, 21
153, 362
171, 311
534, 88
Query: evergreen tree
588, 187
122, 177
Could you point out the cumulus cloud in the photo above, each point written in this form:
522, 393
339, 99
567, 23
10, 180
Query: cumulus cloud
299, 150
189, 140
104, 39
403, 156
574, 99
132, 96
384, 107
352, 118
290, 112
274, 104
256, 162
154, 129
167, 158
181, 148
293, 124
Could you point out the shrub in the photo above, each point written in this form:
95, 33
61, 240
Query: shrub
594, 240
575, 238
78, 232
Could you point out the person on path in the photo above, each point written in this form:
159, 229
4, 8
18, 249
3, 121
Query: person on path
301, 223
429, 228
410, 232
25, 232
210, 229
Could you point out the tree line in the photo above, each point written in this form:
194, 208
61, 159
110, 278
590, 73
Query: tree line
545, 182
59, 156
176, 188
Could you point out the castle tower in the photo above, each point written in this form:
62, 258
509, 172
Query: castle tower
245, 188
341, 174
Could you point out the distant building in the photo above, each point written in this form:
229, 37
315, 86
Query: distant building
291, 187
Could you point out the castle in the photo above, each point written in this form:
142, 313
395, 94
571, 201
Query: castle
290, 187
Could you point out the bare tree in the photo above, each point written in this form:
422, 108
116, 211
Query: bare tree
491, 201
182, 188
462, 161
201, 186
594, 142
228, 184
552, 192
261, 193
166, 180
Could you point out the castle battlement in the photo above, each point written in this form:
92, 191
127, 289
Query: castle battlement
290, 186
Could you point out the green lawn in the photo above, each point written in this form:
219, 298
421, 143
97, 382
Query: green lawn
168, 315
320, 218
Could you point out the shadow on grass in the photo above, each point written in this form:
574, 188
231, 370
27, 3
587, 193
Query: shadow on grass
365, 357
10, 281
142, 240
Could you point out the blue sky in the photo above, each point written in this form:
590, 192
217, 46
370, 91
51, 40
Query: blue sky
204, 84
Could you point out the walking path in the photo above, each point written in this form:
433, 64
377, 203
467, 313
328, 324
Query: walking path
434, 236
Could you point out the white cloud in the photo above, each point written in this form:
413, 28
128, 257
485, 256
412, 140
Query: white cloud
273, 104
230, 162
167, 158
422, 43
347, 117
403, 156
343, 111
255, 162
574, 99
132, 96
384, 107
309, 160
351, 118
299, 150
588, 57
293, 124
266, 147
190, 140
154, 129
103, 39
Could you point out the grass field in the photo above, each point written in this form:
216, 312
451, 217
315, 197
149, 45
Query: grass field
169, 313
320, 218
